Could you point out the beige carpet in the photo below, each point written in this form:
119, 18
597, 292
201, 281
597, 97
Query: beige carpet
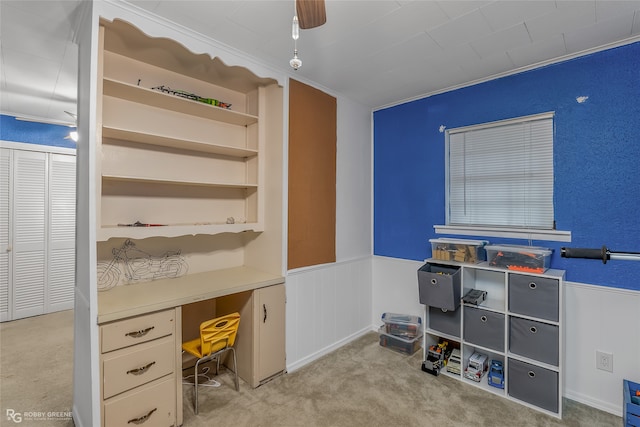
361, 384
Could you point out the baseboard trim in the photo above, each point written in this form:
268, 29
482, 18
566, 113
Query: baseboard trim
594, 403
326, 350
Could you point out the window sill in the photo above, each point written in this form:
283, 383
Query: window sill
528, 234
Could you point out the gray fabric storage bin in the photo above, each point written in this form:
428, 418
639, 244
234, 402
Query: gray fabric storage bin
484, 328
439, 286
534, 296
535, 340
447, 322
533, 384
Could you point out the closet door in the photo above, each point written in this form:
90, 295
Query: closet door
37, 232
5, 248
30, 230
62, 232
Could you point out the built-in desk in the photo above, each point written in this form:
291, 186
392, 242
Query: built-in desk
135, 299
140, 324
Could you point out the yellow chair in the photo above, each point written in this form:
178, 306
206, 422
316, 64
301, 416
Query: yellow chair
217, 337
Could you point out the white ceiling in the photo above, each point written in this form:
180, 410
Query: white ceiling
376, 52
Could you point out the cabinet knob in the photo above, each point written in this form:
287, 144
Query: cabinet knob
532, 285
483, 318
533, 329
531, 374
434, 282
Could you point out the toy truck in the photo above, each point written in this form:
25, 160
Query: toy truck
435, 358
476, 367
454, 363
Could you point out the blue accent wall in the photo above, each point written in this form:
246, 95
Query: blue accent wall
596, 159
34, 133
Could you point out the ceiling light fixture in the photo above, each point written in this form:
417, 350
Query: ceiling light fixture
295, 34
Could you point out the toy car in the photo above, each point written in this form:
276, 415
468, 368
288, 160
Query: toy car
495, 377
477, 367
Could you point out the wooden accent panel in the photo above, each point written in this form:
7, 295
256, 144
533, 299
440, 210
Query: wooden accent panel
312, 176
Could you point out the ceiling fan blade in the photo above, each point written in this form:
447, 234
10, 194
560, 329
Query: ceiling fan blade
311, 13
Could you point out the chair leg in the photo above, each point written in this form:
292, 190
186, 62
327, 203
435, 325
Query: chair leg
195, 390
235, 367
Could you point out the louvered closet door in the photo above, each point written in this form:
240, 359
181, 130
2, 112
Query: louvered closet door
29, 228
37, 232
61, 259
5, 174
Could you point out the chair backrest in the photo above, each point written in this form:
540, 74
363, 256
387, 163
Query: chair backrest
218, 333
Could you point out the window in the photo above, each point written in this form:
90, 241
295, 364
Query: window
500, 177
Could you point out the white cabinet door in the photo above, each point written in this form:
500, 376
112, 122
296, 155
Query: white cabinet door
271, 329
37, 232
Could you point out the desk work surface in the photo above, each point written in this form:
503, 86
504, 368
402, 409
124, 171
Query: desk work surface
140, 298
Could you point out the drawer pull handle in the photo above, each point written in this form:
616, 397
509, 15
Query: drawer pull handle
140, 333
532, 285
531, 374
141, 370
483, 318
533, 329
142, 418
434, 282
264, 309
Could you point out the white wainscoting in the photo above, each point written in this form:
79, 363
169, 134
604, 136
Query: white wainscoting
605, 319
327, 306
597, 318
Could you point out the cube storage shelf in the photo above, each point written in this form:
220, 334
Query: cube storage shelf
519, 323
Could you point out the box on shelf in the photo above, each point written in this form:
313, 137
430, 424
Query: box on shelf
402, 325
439, 286
399, 344
631, 404
461, 250
533, 259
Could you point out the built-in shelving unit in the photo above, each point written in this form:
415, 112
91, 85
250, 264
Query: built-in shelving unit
164, 159
519, 324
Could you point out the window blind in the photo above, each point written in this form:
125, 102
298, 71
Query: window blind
502, 174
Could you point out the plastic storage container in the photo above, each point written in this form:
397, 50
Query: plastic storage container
631, 404
399, 344
461, 250
533, 259
402, 325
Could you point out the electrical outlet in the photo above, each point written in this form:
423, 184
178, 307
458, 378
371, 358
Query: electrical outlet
604, 361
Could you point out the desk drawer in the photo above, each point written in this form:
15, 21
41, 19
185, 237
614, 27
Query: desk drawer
137, 330
151, 406
134, 366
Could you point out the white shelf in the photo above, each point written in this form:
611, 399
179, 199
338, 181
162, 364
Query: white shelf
160, 181
166, 101
107, 232
163, 141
